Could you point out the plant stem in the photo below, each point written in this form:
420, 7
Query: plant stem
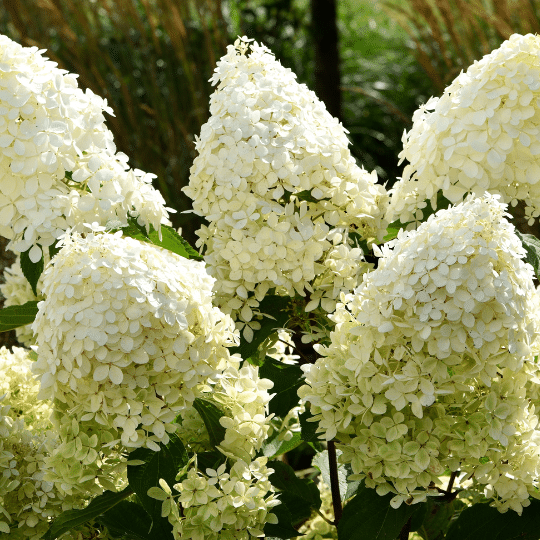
334, 482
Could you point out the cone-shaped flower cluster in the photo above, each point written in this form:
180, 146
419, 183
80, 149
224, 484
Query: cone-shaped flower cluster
482, 134
274, 177
429, 359
127, 334
58, 162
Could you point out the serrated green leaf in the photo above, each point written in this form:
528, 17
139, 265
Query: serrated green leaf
32, 271
165, 464
210, 415
483, 522
276, 306
283, 528
73, 518
276, 447
287, 380
172, 241
368, 516
532, 246
15, 316
346, 489
129, 521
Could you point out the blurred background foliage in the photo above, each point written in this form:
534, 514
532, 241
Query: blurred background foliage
152, 60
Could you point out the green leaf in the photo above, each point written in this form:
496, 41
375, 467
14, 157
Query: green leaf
165, 464
287, 380
128, 520
277, 447
276, 306
53, 250
437, 518
300, 496
346, 489
309, 430
483, 522
532, 246
210, 415
172, 241
73, 518
283, 528
15, 316
31, 270
134, 230
210, 460
367, 516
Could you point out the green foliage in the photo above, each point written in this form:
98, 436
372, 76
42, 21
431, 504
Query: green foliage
129, 521
278, 307
287, 380
433, 524
170, 239
275, 447
165, 464
483, 522
532, 246
370, 517
346, 488
283, 528
73, 518
300, 496
31, 270
210, 415
309, 430
15, 316
382, 85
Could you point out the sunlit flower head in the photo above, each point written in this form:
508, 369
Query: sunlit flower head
481, 135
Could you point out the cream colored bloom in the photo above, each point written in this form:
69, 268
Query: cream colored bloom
276, 180
481, 135
127, 334
430, 365
59, 163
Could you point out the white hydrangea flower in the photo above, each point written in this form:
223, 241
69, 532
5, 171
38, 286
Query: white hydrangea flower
244, 397
482, 134
127, 335
275, 179
28, 500
441, 330
16, 291
59, 162
220, 504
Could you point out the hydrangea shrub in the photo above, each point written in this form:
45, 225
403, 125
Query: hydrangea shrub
166, 389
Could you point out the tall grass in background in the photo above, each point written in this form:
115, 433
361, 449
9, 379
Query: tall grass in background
151, 59
448, 35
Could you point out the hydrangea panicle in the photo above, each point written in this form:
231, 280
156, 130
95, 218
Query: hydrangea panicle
429, 341
58, 159
276, 181
481, 134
